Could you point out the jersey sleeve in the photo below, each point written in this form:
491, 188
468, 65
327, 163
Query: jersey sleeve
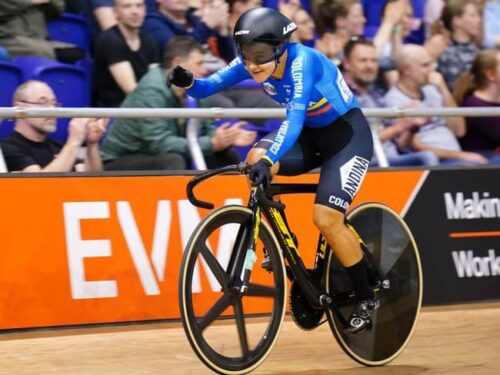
228, 76
303, 79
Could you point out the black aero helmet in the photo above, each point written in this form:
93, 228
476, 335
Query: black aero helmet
266, 26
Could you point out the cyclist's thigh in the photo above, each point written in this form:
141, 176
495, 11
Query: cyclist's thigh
343, 172
302, 157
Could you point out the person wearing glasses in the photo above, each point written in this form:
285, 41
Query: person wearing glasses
324, 127
421, 86
29, 148
361, 71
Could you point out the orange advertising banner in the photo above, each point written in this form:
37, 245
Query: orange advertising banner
85, 250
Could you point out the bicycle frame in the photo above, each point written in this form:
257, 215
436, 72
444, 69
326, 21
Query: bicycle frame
261, 202
275, 215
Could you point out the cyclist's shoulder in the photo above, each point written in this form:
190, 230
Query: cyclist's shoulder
308, 59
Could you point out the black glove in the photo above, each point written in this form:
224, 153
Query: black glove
260, 173
180, 77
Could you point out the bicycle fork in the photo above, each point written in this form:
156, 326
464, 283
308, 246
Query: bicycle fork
250, 256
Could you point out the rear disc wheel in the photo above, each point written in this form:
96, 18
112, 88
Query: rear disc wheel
395, 254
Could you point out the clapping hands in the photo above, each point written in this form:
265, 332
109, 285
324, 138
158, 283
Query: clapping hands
228, 134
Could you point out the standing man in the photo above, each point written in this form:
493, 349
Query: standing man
28, 148
161, 144
123, 54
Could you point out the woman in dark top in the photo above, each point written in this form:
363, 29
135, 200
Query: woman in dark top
480, 87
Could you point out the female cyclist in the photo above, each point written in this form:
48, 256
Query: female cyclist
324, 127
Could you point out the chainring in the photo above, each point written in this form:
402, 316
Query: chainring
304, 316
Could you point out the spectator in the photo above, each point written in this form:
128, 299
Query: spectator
28, 148
432, 14
337, 21
103, 13
360, 71
306, 29
161, 143
209, 28
463, 20
237, 8
491, 23
240, 97
23, 30
420, 86
123, 54
397, 23
480, 87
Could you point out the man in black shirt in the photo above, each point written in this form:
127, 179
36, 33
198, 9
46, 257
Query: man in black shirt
28, 149
123, 54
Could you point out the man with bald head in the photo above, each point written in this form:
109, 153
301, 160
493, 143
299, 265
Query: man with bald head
28, 148
420, 86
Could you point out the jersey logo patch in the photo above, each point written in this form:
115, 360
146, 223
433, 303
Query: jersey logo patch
344, 89
270, 89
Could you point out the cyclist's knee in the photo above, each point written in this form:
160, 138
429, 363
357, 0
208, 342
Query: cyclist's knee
328, 220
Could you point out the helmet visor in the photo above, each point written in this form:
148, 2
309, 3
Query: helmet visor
257, 53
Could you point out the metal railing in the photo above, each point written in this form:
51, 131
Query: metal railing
18, 112
194, 114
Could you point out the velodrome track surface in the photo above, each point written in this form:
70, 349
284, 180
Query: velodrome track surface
456, 339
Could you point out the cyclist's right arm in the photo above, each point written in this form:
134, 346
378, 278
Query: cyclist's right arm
226, 77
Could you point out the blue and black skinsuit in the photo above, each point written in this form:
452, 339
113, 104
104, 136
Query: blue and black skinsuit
324, 126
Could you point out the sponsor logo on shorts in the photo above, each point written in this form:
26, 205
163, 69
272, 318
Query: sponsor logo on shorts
339, 202
352, 173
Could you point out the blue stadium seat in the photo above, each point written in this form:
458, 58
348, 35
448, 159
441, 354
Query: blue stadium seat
71, 28
72, 88
373, 14
71, 84
11, 77
87, 65
30, 65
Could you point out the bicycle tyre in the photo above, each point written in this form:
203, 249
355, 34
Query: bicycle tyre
213, 354
395, 253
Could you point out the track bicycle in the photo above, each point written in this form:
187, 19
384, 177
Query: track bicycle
242, 292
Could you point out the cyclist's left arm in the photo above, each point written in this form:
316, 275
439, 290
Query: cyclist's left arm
291, 127
226, 77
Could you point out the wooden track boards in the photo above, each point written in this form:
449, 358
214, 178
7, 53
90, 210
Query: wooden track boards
452, 339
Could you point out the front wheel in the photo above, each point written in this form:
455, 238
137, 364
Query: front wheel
215, 312
395, 255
